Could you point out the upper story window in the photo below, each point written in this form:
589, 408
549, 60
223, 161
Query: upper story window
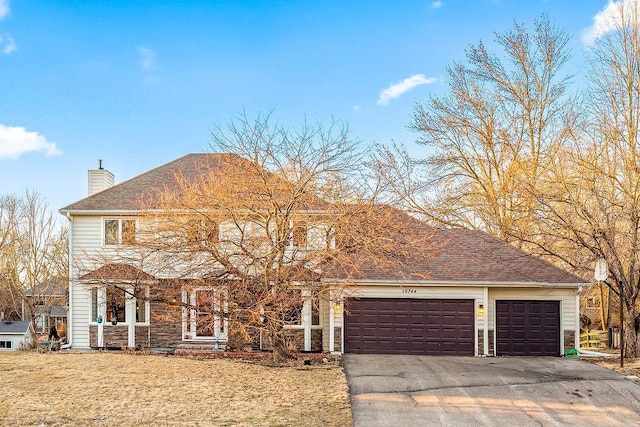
119, 232
203, 231
299, 234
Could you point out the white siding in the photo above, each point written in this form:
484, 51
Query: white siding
16, 340
100, 179
86, 246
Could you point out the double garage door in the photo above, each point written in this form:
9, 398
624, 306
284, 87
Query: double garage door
409, 326
446, 327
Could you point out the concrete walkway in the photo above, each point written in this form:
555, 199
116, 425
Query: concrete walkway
464, 391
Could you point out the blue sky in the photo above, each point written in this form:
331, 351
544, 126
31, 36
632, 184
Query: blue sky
138, 84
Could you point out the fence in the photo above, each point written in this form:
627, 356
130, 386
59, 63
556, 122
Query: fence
593, 339
600, 339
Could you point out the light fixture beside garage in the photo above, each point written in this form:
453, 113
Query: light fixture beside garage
337, 308
481, 310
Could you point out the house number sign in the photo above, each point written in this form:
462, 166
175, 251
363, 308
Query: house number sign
409, 291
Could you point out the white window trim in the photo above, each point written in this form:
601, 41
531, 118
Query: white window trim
130, 307
189, 330
119, 219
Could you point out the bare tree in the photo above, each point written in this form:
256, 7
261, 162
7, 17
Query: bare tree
260, 225
33, 250
10, 289
591, 203
504, 116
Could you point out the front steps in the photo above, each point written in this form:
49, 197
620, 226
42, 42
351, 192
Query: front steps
198, 349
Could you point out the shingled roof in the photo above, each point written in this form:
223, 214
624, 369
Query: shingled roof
142, 191
130, 195
17, 327
451, 255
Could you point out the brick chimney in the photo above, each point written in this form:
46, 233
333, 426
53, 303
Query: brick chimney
99, 179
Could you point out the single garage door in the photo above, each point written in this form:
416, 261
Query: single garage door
409, 326
528, 328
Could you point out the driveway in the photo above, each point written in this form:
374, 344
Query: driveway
491, 391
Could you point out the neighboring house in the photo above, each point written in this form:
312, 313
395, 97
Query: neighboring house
49, 301
16, 335
458, 292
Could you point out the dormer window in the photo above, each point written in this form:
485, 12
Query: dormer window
119, 232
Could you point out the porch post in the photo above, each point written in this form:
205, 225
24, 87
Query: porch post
306, 323
485, 326
332, 323
130, 307
101, 333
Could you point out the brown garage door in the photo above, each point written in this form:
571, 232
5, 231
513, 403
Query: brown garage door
528, 328
409, 326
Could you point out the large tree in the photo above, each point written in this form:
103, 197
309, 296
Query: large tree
33, 250
262, 223
501, 120
591, 200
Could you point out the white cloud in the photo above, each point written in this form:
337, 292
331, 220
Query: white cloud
8, 45
397, 89
436, 4
15, 141
4, 8
357, 108
147, 58
608, 19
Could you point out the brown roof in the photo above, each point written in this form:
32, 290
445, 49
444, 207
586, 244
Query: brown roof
450, 255
131, 194
142, 191
115, 271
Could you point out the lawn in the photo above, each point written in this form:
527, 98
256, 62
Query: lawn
107, 389
631, 367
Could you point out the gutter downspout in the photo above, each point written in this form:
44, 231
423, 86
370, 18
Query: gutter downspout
70, 312
577, 331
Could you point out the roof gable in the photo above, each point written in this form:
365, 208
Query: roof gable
142, 191
9, 327
139, 191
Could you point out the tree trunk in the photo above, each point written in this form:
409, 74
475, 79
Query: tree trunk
281, 352
631, 332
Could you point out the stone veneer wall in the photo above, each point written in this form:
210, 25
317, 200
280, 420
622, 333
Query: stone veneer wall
142, 336
337, 339
569, 339
165, 323
113, 335
492, 350
480, 341
116, 335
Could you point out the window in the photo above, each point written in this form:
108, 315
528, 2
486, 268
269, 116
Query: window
593, 302
5, 345
119, 232
94, 305
203, 231
141, 305
299, 233
292, 307
116, 303
315, 310
206, 317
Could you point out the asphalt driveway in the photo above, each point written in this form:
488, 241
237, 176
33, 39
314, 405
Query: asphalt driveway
487, 391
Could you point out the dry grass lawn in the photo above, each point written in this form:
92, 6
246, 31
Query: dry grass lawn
108, 389
631, 367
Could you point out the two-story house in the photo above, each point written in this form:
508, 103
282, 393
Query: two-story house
455, 292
